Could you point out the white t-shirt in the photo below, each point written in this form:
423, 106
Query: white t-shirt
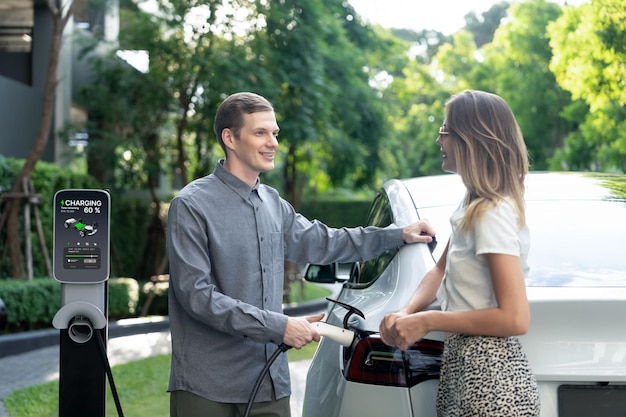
467, 282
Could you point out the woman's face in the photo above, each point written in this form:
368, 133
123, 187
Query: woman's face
444, 142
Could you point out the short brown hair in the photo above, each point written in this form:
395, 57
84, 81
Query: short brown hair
230, 113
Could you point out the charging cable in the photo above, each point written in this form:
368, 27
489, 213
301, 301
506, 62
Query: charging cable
107, 366
281, 348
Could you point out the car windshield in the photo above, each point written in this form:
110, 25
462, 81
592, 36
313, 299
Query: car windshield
573, 243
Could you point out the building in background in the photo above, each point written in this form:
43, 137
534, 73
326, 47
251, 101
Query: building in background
25, 32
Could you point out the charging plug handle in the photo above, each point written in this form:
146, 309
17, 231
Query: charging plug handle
342, 336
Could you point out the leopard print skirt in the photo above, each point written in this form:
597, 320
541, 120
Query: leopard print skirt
486, 377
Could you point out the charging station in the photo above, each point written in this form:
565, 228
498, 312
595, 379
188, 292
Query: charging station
81, 265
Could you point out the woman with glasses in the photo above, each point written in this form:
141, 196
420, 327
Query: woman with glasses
481, 273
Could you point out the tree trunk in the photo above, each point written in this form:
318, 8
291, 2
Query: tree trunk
290, 177
154, 249
182, 159
13, 205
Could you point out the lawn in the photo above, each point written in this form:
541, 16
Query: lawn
140, 384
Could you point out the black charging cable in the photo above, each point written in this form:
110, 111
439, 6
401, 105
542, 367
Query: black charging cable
281, 348
107, 366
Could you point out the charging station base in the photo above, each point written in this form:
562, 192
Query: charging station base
82, 377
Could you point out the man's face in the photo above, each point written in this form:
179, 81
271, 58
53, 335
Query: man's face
254, 150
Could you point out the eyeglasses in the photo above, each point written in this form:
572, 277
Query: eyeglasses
443, 130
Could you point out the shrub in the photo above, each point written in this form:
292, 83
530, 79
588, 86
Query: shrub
31, 305
123, 298
157, 301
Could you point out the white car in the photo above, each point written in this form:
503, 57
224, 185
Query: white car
576, 343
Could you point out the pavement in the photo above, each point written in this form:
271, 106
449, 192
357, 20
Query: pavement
33, 359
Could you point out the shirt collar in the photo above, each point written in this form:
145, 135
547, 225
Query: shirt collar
234, 183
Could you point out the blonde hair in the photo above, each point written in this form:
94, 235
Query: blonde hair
489, 152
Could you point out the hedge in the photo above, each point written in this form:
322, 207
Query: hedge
31, 305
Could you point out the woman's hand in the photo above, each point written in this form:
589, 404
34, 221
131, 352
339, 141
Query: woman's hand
402, 330
387, 328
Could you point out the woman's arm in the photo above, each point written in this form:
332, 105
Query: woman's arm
423, 296
426, 291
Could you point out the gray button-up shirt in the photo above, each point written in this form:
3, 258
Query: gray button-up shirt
227, 243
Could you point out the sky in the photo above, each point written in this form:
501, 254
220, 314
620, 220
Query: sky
446, 16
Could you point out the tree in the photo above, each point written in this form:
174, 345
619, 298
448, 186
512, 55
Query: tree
518, 61
484, 28
589, 47
457, 63
61, 12
424, 43
414, 103
330, 118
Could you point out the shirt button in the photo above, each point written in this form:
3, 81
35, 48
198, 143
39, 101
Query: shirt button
262, 239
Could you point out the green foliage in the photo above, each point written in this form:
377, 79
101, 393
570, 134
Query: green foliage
483, 28
123, 298
337, 213
415, 110
30, 304
158, 305
589, 55
130, 218
302, 291
518, 60
318, 53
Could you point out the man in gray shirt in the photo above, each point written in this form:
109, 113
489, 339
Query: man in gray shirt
227, 238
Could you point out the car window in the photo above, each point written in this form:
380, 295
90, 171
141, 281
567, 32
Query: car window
380, 215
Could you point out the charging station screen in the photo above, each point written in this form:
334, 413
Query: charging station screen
81, 236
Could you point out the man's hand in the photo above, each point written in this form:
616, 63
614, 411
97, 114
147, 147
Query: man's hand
299, 331
418, 232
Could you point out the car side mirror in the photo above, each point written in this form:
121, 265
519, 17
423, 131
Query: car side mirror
325, 274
